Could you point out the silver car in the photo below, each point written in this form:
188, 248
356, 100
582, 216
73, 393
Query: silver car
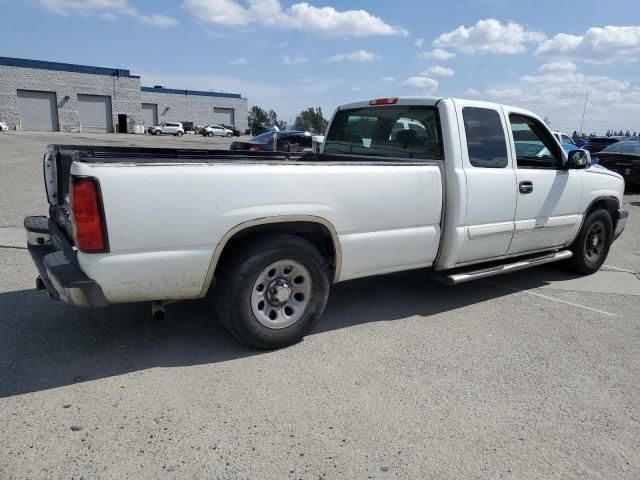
167, 128
217, 130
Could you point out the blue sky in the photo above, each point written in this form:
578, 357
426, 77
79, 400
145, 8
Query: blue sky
289, 55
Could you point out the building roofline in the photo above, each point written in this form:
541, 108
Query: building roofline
65, 67
176, 91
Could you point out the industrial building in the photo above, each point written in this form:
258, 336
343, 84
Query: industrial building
51, 96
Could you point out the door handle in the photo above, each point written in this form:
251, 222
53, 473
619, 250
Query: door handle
526, 187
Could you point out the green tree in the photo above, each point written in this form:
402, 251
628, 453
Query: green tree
272, 120
257, 117
311, 120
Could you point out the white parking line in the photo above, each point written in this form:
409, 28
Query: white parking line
584, 307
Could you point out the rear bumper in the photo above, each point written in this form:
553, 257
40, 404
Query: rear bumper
57, 264
623, 214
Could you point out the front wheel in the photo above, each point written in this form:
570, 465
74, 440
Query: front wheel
157, 133
271, 293
210, 134
229, 135
592, 246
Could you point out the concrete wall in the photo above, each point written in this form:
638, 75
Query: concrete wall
173, 107
124, 93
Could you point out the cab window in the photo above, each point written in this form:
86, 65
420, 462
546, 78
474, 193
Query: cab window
535, 147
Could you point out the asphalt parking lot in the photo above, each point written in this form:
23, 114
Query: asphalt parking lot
531, 375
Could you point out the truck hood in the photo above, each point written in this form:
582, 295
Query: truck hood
600, 170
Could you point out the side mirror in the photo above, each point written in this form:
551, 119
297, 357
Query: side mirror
578, 159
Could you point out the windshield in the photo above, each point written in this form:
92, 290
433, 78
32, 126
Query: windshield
393, 131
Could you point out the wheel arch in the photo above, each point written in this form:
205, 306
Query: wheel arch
318, 230
609, 203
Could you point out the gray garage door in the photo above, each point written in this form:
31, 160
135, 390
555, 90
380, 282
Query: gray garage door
95, 113
223, 115
150, 114
38, 110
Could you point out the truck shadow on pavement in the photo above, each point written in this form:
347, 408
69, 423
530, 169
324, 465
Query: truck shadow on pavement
46, 344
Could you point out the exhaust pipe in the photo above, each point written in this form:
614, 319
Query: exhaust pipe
157, 311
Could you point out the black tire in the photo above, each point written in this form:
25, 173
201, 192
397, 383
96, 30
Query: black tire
592, 246
238, 275
210, 134
157, 133
179, 134
229, 135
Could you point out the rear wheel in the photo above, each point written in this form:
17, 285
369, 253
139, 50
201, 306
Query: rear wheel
592, 246
179, 134
271, 293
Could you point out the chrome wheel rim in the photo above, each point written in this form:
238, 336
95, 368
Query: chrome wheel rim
281, 294
594, 244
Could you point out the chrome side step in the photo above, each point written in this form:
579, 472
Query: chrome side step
462, 277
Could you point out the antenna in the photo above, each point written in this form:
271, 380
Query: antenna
584, 110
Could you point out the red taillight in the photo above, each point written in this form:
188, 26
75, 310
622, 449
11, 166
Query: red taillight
384, 101
255, 148
87, 215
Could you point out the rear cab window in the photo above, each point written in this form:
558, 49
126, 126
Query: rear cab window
411, 132
486, 140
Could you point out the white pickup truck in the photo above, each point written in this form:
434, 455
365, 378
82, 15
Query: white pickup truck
464, 189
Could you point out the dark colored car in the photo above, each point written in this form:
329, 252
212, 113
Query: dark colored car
624, 158
595, 144
259, 130
236, 132
188, 126
293, 141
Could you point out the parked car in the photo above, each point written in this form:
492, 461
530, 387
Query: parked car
216, 130
624, 158
167, 128
3, 127
595, 144
188, 127
288, 141
236, 132
259, 130
132, 224
563, 138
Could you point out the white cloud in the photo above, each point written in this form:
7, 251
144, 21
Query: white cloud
355, 89
436, 54
419, 42
388, 79
489, 36
238, 61
300, 16
107, 10
158, 20
421, 82
439, 71
561, 94
598, 45
558, 66
472, 92
357, 56
287, 60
